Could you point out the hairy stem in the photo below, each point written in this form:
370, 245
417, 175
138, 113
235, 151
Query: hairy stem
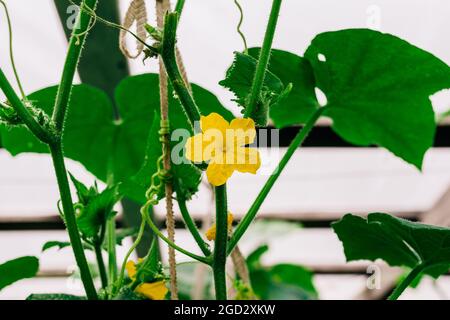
27, 117
248, 218
406, 282
263, 59
70, 219
76, 44
170, 62
220, 247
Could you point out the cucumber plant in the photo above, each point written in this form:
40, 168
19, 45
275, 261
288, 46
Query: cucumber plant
377, 88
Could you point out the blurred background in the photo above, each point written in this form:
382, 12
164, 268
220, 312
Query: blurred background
321, 183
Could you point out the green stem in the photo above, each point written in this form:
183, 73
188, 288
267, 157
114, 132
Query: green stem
111, 227
220, 247
263, 59
127, 256
170, 62
98, 247
171, 243
11, 53
406, 282
24, 114
76, 44
101, 265
190, 224
248, 218
70, 219
179, 6
111, 244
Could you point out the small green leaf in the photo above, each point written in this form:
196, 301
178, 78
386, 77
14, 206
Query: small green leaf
95, 213
397, 241
301, 102
54, 296
55, 244
239, 78
61, 245
378, 89
121, 234
84, 193
126, 293
18, 269
150, 269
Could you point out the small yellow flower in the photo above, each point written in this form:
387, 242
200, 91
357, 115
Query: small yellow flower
211, 232
223, 145
154, 291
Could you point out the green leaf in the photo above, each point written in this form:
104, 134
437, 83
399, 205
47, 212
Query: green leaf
103, 144
239, 78
126, 293
254, 258
301, 102
121, 234
397, 241
378, 89
58, 244
95, 213
150, 269
18, 269
84, 193
54, 296
61, 245
281, 281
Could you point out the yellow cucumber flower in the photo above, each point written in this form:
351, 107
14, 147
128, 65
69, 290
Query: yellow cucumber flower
223, 145
154, 291
211, 232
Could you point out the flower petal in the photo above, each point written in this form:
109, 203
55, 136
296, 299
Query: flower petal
154, 291
218, 173
245, 131
197, 148
213, 121
131, 269
247, 160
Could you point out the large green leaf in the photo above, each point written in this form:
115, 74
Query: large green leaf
100, 143
301, 102
18, 269
397, 241
378, 89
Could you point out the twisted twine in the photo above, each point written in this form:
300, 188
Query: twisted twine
136, 13
162, 7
